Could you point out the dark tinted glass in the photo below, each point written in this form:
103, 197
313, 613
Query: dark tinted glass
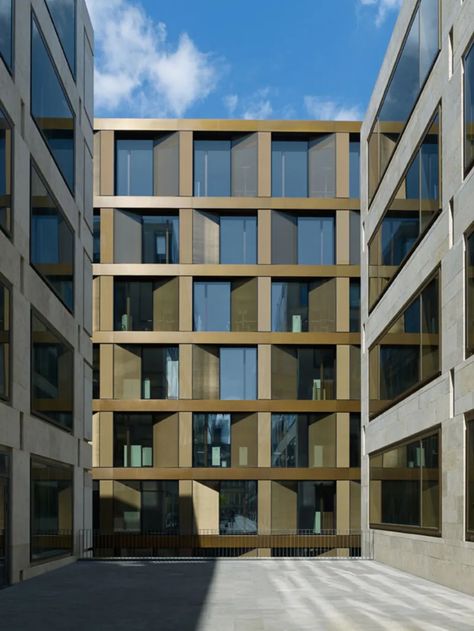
238, 507
6, 32
50, 108
470, 478
290, 306
470, 293
469, 109
289, 440
52, 242
51, 509
96, 371
133, 440
4, 342
354, 440
133, 305
63, 14
5, 173
155, 506
160, 239
52, 375
316, 506
354, 306
211, 440
96, 242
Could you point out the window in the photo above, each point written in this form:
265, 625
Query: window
307, 506
96, 371
469, 109
145, 372
224, 167
410, 213
405, 485
146, 305
146, 166
238, 373
6, 139
5, 314
470, 293
6, 32
225, 440
354, 166
133, 440
228, 239
300, 306
306, 240
470, 479
237, 507
50, 107
303, 440
4, 514
88, 79
96, 239
407, 355
418, 53
145, 238
354, 440
304, 167
305, 372
52, 242
63, 14
146, 506
225, 305
354, 305
52, 375
52, 509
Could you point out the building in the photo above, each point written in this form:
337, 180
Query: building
417, 299
46, 141
226, 334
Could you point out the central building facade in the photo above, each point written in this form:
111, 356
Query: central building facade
226, 334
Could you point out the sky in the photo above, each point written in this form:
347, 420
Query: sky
255, 59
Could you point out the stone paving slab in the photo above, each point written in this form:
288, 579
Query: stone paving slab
233, 595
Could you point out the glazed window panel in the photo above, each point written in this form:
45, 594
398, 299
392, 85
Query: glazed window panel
354, 305
238, 240
304, 240
470, 479
6, 153
145, 238
417, 55
238, 373
4, 342
145, 506
146, 372
300, 307
63, 14
146, 305
410, 213
51, 509
322, 166
237, 507
407, 355
303, 440
469, 109
52, 375
211, 440
50, 107
289, 168
52, 242
405, 485
307, 506
470, 294
354, 167
96, 239
307, 372
133, 440
6, 32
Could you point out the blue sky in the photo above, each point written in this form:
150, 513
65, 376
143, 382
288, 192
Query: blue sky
239, 58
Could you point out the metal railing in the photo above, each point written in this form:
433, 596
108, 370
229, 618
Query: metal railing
350, 544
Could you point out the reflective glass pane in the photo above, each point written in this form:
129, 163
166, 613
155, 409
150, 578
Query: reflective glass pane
244, 166
469, 109
238, 373
50, 108
322, 166
160, 239
134, 166
96, 240
470, 293
316, 506
212, 168
150, 506
63, 14
211, 306
238, 240
211, 440
6, 32
4, 342
289, 168
5, 173
238, 507
354, 305
133, 440
290, 306
316, 244
470, 477
354, 168
289, 440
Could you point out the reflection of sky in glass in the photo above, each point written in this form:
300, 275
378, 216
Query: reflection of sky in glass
63, 13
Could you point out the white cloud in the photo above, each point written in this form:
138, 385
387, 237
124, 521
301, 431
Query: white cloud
327, 109
383, 7
231, 101
258, 106
137, 66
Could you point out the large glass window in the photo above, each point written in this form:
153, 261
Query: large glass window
304, 167
469, 109
354, 167
307, 506
470, 479
411, 211
237, 507
470, 294
6, 138
354, 305
238, 373
4, 342
63, 14
225, 440
52, 242
354, 440
6, 32
52, 508
224, 167
148, 506
303, 440
305, 372
133, 440
4, 515
145, 372
304, 306
417, 55
306, 240
225, 305
407, 354
238, 240
50, 107
405, 485
147, 165
96, 371
146, 305
145, 238
96, 239
52, 375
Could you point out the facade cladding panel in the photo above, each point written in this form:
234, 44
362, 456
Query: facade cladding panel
417, 296
45, 312
252, 317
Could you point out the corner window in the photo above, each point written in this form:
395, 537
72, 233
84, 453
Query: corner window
50, 107
52, 375
405, 486
52, 242
470, 294
52, 509
5, 341
6, 166
6, 32
469, 109
63, 15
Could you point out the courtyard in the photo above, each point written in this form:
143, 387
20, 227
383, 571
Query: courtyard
233, 595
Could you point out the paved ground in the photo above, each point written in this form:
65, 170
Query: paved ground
227, 595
